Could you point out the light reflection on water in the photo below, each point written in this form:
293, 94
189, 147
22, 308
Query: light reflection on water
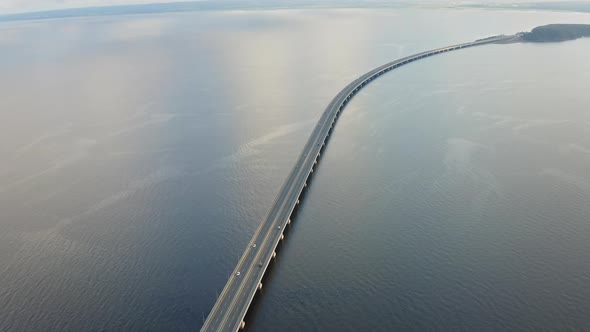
140, 152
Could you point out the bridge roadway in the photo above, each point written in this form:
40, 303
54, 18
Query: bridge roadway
231, 306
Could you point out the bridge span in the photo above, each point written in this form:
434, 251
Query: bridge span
232, 304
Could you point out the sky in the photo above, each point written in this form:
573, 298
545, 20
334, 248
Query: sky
20, 6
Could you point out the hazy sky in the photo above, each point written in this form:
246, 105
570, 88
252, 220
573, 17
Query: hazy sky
16, 6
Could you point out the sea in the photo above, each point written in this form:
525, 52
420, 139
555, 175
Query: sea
139, 153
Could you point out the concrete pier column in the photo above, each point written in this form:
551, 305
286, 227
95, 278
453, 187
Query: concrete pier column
259, 285
242, 325
274, 254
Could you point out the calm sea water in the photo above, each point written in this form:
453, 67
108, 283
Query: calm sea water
139, 154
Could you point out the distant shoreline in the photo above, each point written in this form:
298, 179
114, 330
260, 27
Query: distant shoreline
192, 6
564, 6
556, 33
550, 33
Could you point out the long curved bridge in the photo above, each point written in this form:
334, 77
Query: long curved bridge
231, 306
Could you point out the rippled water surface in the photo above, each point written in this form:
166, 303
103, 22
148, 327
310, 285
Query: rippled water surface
139, 154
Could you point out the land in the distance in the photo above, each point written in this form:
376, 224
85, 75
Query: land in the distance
556, 33
48, 11
566, 6
547, 34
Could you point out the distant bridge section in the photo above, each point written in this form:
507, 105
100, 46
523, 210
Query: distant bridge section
232, 305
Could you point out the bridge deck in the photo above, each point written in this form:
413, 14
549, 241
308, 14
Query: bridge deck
233, 303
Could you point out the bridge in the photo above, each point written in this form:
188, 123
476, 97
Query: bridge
232, 304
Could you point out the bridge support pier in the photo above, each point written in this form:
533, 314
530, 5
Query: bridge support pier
282, 236
274, 254
259, 286
288, 221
